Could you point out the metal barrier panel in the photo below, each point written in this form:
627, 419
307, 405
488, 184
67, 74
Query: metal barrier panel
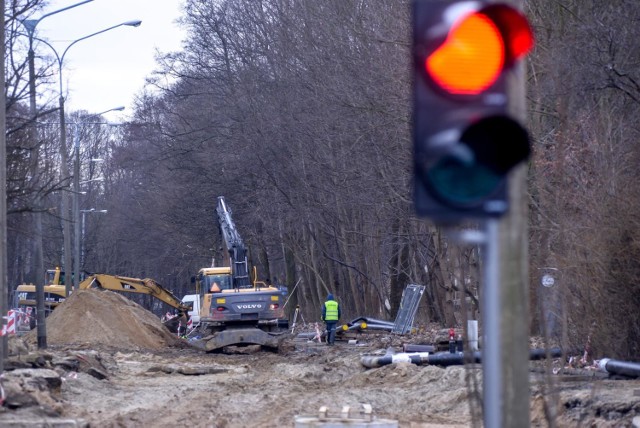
408, 307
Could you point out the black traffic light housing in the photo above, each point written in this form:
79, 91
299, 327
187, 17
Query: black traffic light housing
465, 141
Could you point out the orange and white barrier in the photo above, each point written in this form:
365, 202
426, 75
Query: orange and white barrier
318, 335
22, 317
10, 326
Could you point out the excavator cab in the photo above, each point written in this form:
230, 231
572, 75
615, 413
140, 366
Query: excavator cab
54, 277
54, 293
216, 283
213, 280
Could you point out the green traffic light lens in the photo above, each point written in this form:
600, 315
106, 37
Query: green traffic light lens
460, 184
473, 170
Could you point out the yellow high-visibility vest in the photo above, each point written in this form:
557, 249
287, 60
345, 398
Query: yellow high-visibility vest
331, 310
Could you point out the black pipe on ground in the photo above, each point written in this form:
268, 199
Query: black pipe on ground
457, 359
445, 359
625, 368
378, 361
540, 354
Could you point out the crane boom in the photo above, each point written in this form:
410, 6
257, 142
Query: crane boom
234, 247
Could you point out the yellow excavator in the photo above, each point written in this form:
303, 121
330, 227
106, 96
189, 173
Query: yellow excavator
55, 292
236, 309
141, 286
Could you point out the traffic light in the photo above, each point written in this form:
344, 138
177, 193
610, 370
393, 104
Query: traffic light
465, 142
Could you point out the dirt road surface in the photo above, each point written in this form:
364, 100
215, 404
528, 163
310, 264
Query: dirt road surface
110, 363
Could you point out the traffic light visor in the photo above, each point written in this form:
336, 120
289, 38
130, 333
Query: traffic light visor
516, 32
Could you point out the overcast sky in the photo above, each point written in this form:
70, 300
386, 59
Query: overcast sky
109, 69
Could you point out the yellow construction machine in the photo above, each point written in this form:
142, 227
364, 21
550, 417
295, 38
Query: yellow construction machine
147, 286
236, 309
55, 292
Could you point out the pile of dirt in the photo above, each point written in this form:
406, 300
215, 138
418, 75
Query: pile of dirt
101, 317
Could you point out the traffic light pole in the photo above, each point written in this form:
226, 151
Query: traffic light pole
491, 309
467, 142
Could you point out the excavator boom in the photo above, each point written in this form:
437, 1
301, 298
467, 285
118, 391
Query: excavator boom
134, 285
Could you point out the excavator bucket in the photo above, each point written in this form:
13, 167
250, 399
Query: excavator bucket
174, 323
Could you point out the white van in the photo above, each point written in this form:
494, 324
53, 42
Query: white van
195, 312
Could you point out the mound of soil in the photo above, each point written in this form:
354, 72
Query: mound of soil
101, 317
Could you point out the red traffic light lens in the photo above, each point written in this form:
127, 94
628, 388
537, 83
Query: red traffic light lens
471, 58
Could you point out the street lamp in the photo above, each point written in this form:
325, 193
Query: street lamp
76, 194
63, 137
30, 25
84, 212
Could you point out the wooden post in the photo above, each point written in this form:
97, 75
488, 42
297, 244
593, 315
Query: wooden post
515, 282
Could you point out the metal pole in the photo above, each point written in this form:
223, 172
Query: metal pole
84, 213
492, 374
76, 210
3, 206
65, 215
37, 256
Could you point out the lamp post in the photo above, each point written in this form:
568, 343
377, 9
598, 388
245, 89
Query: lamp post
63, 140
84, 212
30, 25
76, 195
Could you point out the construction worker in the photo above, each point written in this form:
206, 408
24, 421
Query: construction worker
330, 316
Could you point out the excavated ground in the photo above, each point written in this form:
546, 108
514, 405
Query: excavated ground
110, 363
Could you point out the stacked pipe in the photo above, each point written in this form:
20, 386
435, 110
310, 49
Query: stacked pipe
366, 323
